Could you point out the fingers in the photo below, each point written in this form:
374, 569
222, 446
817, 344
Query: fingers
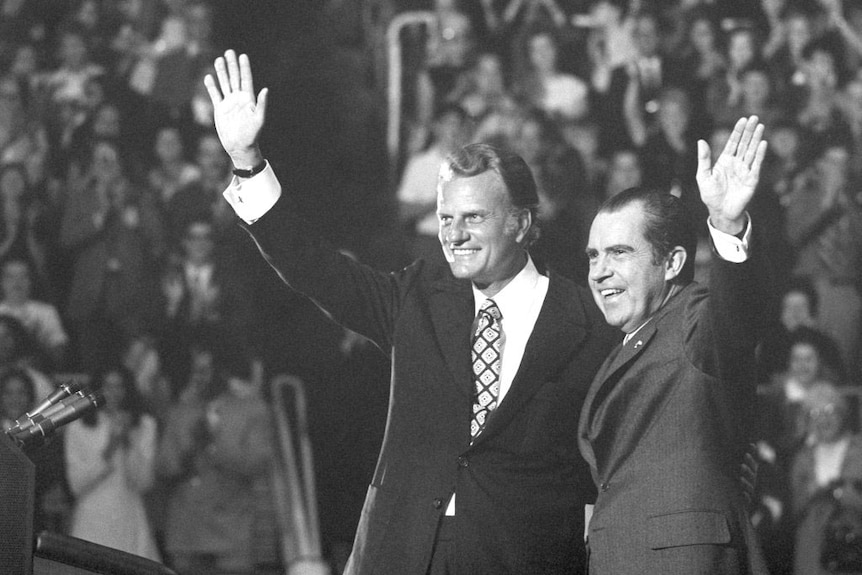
735, 136
234, 74
232, 70
221, 73
749, 128
212, 89
245, 78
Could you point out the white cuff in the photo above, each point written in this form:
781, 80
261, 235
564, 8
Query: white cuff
729, 247
252, 198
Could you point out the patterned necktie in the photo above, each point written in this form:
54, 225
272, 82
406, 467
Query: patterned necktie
487, 353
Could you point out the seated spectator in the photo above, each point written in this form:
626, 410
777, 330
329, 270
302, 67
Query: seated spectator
823, 224
216, 444
756, 97
17, 350
783, 400
798, 312
25, 222
484, 88
624, 172
725, 89
75, 67
41, 319
544, 86
23, 134
819, 114
114, 236
201, 298
51, 505
826, 480
109, 461
171, 170
202, 197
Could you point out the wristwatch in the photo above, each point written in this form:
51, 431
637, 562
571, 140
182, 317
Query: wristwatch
250, 172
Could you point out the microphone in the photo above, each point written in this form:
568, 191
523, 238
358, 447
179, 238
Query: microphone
80, 406
63, 391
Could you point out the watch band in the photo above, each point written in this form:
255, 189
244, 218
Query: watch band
251, 172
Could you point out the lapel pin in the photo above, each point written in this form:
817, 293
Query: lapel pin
638, 343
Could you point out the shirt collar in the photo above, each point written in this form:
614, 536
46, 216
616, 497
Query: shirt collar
510, 299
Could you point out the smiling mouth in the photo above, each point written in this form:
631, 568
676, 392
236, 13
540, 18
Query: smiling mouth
463, 251
610, 293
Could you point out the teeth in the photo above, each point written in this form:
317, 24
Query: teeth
462, 252
610, 292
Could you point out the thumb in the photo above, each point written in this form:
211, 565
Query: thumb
703, 158
261, 103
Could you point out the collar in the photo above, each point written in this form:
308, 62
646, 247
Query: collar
673, 289
511, 298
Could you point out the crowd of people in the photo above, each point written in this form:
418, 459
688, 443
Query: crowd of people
123, 265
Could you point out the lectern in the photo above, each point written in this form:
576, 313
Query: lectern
50, 553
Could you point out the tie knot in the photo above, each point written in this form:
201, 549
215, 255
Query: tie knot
489, 307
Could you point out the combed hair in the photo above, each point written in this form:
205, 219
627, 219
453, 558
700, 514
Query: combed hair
474, 159
667, 224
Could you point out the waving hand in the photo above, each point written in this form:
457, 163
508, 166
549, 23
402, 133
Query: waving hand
727, 186
239, 114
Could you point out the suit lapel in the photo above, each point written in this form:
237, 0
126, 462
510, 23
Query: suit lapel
451, 309
560, 328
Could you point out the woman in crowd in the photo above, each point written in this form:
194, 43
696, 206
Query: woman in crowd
109, 458
826, 480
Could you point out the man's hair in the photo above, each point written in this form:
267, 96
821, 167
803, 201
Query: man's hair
667, 224
474, 159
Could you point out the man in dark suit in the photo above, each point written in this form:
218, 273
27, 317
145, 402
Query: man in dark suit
470, 480
666, 423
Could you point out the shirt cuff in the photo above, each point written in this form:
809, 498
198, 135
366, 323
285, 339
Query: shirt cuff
729, 247
252, 198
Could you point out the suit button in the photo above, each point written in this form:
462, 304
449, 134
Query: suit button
463, 462
605, 487
438, 503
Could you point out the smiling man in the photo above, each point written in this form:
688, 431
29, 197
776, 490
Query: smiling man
665, 425
479, 471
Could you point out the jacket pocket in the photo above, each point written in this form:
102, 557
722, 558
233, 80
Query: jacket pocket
688, 528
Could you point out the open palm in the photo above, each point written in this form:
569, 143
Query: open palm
727, 187
239, 114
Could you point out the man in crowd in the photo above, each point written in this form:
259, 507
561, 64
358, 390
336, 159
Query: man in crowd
479, 471
667, 420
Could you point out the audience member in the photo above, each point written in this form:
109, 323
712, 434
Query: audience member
824, 225
171, 170
112, 231
200, 299
826, 484
216, 443
109, 460
543, 85
40, 318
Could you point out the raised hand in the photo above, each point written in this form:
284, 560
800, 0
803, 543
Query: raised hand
727, 187
239, 115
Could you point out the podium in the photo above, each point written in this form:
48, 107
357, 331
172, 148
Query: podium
52, 553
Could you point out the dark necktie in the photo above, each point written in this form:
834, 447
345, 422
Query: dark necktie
487, 354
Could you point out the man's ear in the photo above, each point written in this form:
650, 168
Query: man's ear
525, 222
675, 262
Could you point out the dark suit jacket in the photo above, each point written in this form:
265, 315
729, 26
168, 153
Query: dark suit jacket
664, 428
522, 485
